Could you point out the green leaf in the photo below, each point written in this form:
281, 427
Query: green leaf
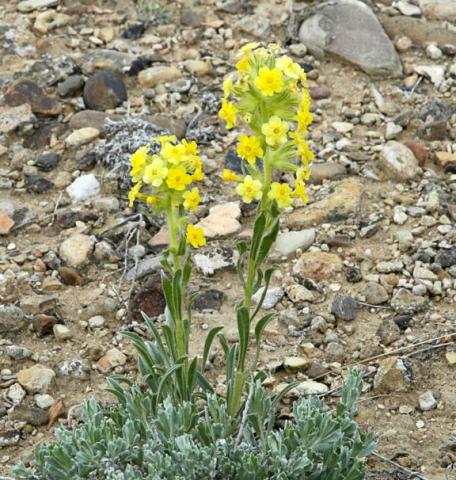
207, 345
169, 295
165, 377
258, 231
267, 242
243, 323
261, 325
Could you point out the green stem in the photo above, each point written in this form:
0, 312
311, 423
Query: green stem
173, 248
267, 170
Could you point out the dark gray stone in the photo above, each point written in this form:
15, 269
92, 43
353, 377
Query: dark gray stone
47, 162
71, 86
344, 307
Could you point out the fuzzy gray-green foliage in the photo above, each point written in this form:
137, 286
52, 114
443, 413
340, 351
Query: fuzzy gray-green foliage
136, 441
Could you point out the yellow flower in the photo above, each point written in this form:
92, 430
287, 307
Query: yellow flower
281, 193
249, 148
303, 149
178, 179
303, 173
228, 113
290, 68
190, 148
163, 139
304, 120
249, 189
151, 200
228, 85
195, 236
275, 131
300, 191
192, 199
247, 48
274, 47
133, 193
243, 65
156, 172
230, 176
138, 163
269, 81
174, 154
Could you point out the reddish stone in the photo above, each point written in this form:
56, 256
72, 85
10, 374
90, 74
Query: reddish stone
319, 93
6, 223
27, 91
419, 150
149, 298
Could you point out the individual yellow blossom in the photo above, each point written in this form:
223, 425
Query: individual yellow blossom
163, 139
133, 193
156, 172
190, 148
304, 102
304, 120
249, 189
247, 48
269, 81
303, 173
304, 151
198, 175
174, 154
230, 176
228, 85
138, 163
243, 65
249, 148
281, 193
151, 200
290, 68
195, 236
178, 179
275, 131
300, 191
192, 199
228, 113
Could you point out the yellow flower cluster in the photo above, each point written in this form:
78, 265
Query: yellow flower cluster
268, 96
165, 180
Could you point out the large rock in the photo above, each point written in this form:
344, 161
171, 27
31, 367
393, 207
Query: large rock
222, 220
420, 33
12, 118
345, 201
104, 90
393, 375
36, 379
106, 60
318, 265
398, 161
441, 9
24, 90
27, 6
350, 30
288, 242
11, 319
84, 187
155, 75
76, 249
